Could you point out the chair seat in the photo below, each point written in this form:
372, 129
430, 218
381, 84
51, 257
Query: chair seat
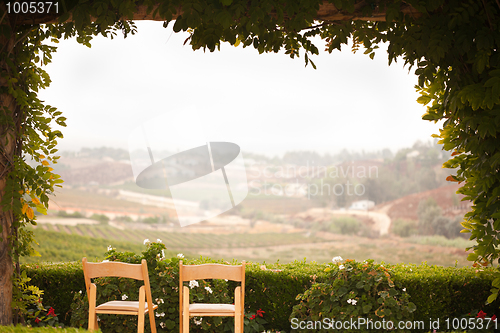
132, 306
199, 308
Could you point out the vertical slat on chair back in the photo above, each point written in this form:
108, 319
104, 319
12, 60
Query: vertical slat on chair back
212, 271
114, 269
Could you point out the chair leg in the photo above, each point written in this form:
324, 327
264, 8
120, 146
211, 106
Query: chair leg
237, 311
152, 321
185, 311
92, 314
140, 323
140, 315
92, 321
237, 323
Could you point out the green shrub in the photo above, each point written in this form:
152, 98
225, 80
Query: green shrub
151, 220
124, 218
428, 211
437, 240
273, 288
43, 316
446, 292
345, 225
253, 322
353, 291
404, 228
432, 222
103, 219
59, 283
25, 297
76, 214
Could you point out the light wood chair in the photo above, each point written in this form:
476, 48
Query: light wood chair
211, 271
119, 269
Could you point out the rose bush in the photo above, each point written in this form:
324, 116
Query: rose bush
354, 290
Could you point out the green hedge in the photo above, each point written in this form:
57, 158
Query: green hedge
59, 282
273, 288
446, 292
24, 329
437, 292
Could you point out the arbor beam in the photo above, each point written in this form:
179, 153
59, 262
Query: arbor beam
327, 12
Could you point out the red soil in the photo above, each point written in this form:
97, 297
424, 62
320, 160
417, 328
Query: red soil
446, 197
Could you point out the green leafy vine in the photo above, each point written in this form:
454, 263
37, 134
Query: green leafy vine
452, 44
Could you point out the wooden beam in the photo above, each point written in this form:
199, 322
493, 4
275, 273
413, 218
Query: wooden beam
326, 12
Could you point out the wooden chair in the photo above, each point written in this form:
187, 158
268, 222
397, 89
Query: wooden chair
211, 271
119, 269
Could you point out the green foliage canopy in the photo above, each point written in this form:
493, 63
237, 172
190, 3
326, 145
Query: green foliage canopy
452, 43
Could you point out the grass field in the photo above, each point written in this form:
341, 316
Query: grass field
389, 250
61, 247
183, 241
68, 243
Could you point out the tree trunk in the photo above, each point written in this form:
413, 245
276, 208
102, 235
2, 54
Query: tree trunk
7, 151
6, 270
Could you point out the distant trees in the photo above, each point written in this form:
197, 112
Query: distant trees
432, 222
99, 153
404, 228
428, 212
411, 170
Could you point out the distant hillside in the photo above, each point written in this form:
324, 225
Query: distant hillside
100, 173
380, 176
446, 197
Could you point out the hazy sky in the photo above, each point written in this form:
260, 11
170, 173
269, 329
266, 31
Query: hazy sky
266, 103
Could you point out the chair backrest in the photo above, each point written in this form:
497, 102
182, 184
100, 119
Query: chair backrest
115, 269
211, 271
